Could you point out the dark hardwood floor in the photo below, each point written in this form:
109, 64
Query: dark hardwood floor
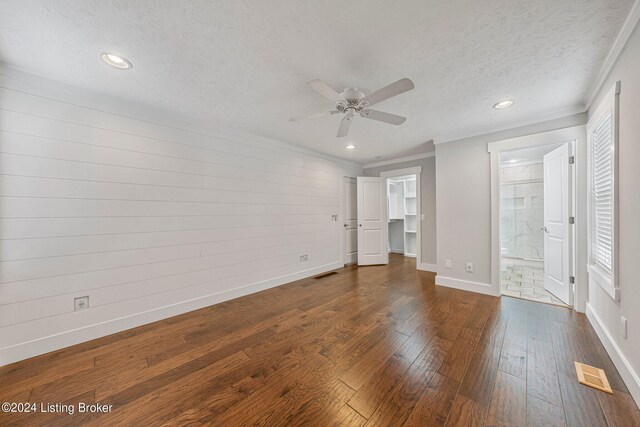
373, 345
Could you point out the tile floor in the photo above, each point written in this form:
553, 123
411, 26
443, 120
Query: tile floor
525, 279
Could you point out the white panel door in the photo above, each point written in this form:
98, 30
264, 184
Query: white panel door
350, 221
372, 221
557, 237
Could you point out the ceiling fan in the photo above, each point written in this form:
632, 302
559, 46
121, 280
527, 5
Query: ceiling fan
351, 101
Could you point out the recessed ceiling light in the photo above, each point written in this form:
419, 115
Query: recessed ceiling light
504, 104
350, 147
513, 160
116, 61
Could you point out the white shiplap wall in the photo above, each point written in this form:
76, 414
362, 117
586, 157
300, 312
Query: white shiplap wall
149, 214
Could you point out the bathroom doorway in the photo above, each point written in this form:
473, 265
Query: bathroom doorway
535, 224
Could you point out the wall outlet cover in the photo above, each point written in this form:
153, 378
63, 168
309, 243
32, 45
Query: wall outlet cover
81, 303
469, 267
447, 263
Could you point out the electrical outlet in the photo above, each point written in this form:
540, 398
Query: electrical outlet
623, 326
447, 263
81, 303
304, 258
469, 267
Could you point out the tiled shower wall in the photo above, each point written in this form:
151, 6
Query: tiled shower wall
521, 211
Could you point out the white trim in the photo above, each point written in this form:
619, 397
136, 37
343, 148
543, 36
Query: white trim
604, 281
609, 104
623, 37
466, 285
68, 338
557, 136
629, 376
576, 135
400, 160
399, 172
423, 266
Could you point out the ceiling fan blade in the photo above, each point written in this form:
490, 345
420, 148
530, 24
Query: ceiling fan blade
345, 124
314, 116
381, 116
401, 86
324, 89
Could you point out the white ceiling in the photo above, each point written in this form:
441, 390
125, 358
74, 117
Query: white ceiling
246, 62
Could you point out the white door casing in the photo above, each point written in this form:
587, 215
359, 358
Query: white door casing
372, 221
349, 221
557, 230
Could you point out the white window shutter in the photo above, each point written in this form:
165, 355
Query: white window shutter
602, 200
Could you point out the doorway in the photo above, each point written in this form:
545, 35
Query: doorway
402, 192
373, 219
535, 210
402, 215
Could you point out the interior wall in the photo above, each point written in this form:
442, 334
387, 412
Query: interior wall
463, 204
147, 213
603, 311
427, 203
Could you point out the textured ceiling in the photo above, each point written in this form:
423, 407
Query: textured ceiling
246, 62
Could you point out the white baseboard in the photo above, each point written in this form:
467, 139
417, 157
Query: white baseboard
427, 267
465, 285
68, 338
629, 376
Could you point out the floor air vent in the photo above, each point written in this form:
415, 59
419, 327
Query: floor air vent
322, 276
593, 377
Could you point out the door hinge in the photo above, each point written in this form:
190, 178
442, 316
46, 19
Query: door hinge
572, 279
572, 220
572, 159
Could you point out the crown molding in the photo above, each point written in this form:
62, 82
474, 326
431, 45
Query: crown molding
400, 160
623, 37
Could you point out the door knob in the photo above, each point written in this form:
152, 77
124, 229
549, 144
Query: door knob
346, 225
359, 225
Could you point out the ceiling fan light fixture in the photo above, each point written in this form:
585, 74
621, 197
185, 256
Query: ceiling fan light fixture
503, 104
350, 147
116, 61
352, 101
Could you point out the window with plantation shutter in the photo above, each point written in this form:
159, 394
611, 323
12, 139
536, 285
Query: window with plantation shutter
602, 195
602, 139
